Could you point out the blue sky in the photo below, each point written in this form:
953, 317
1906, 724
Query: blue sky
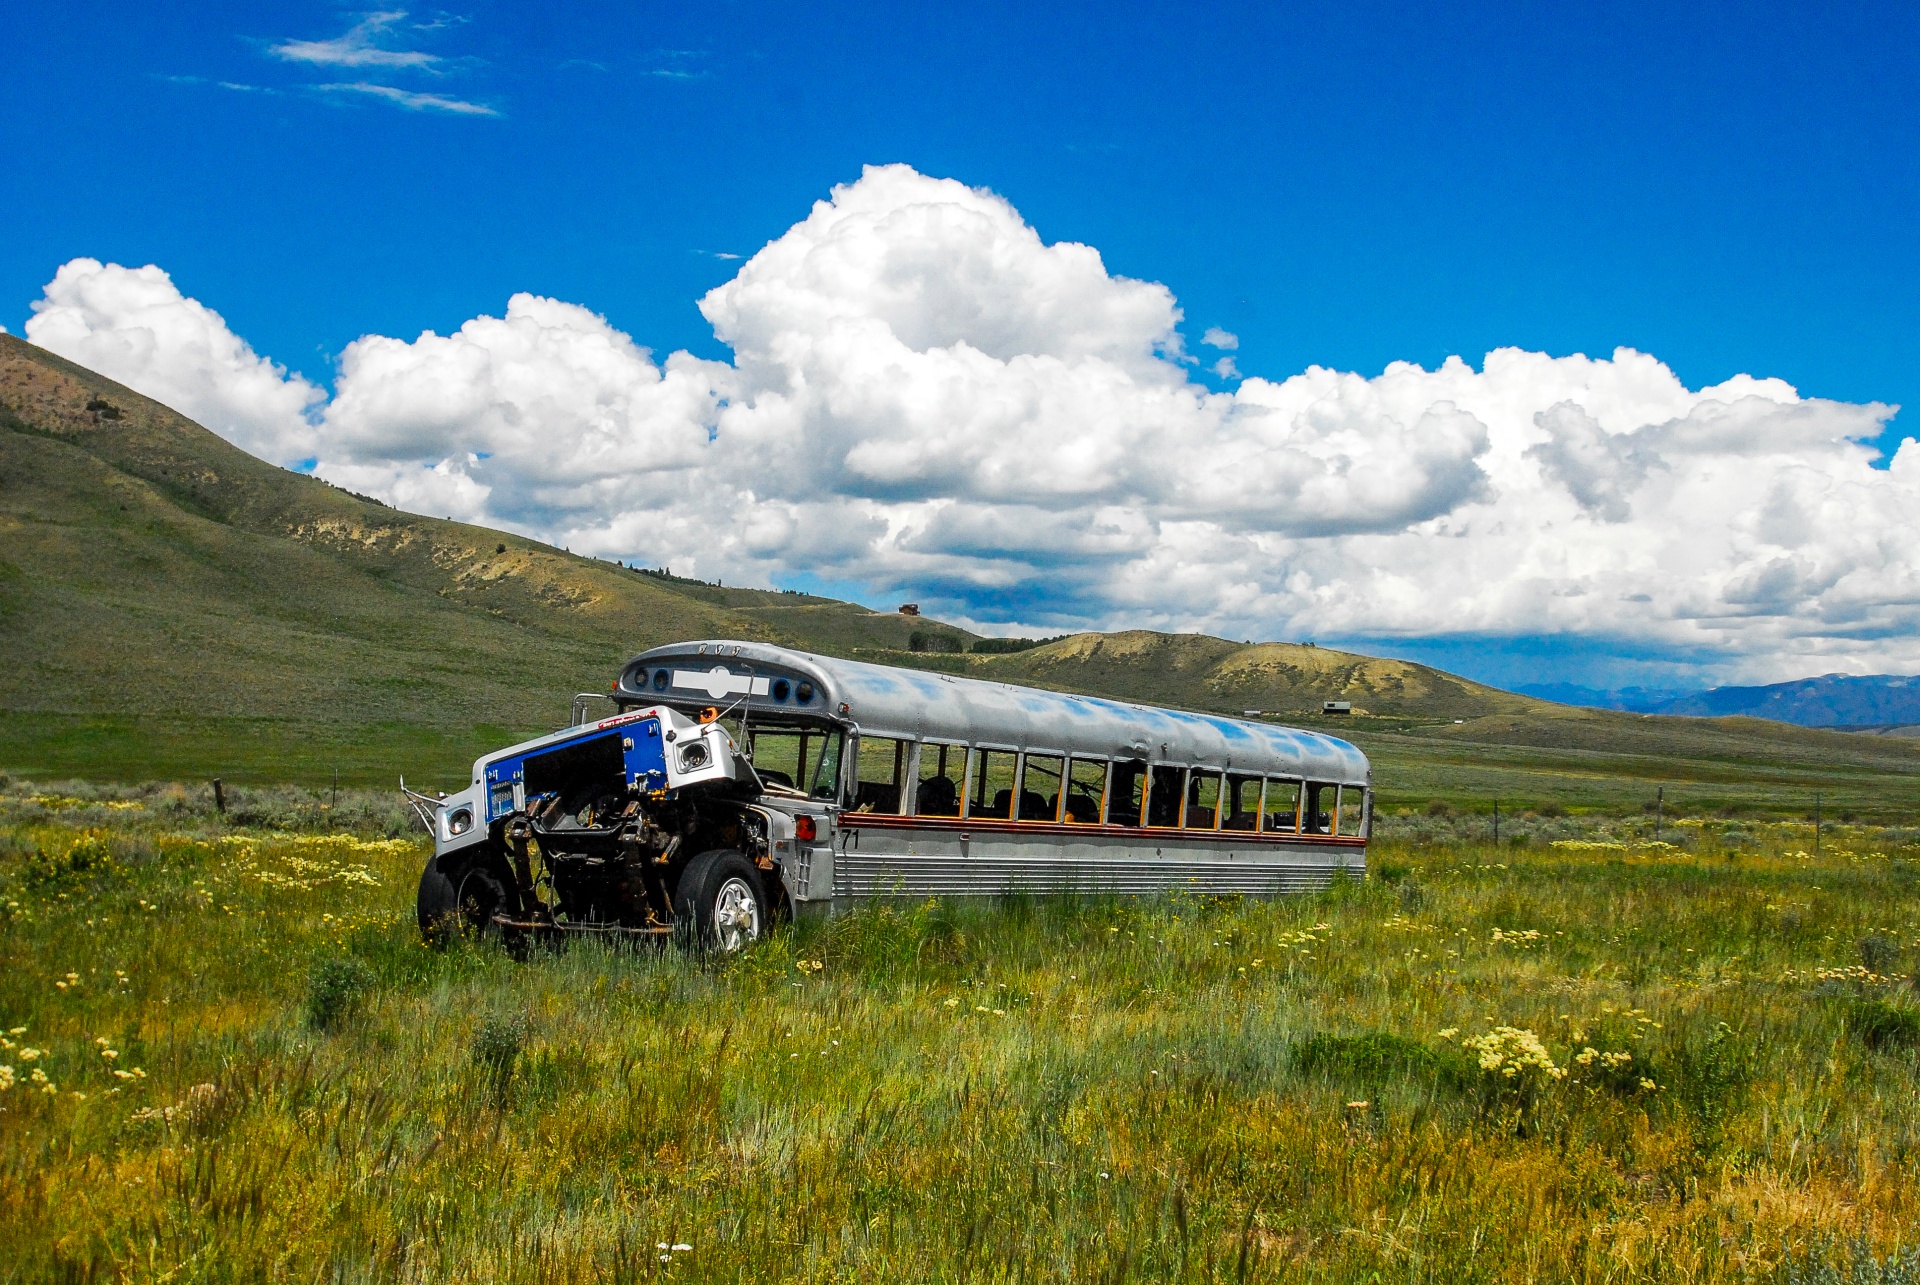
1728, 188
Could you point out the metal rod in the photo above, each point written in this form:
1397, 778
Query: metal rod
607, 930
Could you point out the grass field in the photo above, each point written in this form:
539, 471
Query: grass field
1592, 1058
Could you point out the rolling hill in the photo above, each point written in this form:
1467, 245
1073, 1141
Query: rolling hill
172, 606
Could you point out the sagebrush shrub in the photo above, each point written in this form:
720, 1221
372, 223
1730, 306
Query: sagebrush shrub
497, 1046
335, 988
1879, 952
1882, 1027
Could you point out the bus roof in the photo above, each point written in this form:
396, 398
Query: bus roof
789, 686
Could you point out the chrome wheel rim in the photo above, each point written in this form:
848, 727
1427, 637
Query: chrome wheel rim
736, 916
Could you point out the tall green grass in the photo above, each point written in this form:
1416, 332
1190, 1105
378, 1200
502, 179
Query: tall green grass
1313, 1088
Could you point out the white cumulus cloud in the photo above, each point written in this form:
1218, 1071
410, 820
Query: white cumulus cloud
133, 325
929, 399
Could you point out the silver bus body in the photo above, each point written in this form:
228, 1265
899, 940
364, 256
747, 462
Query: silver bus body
738, 782
1311, 824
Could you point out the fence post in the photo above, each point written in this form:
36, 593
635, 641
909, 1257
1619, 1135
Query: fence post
219, 796
1816, 823
1659, 810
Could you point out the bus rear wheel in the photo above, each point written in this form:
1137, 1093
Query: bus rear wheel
721, 905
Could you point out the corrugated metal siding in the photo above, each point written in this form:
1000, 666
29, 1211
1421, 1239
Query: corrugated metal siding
855, 875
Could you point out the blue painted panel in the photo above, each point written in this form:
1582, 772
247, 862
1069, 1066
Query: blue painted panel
643, 753
647, 755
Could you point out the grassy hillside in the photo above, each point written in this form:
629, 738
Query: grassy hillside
1195, 671
173, 607
1604, 1061
169, 602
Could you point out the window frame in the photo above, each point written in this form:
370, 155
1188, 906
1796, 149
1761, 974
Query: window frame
905, 757
1312, 794
1020, 787
1145, 778
960, 796
1195, 774
839, 794
1348, 816
1349, 820
1180, 797
976, 767
1259, 801
1106, 787
1299, 784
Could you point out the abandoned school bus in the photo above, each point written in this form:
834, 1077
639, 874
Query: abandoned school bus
739, 782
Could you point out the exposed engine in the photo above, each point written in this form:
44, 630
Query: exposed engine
646, 824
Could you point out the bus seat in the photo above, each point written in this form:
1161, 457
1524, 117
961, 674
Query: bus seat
878, 796
938, 797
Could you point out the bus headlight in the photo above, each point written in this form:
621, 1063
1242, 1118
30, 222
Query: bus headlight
694, 756
460, 821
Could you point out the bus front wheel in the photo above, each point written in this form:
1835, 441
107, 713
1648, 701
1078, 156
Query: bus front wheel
721, 905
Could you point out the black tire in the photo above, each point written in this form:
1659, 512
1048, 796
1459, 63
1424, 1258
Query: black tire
721, 905
437, 905
479, 894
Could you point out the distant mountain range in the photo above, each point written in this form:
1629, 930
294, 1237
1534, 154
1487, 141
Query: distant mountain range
1831, 700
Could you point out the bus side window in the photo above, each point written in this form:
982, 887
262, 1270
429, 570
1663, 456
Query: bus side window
1203, 800
1040, 788
992, 792
1241, 808
826, 766
943, 770
880, 771
1123, 801
1086, 787
1350, 811
1283, 805
1164, 796
1317, 817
